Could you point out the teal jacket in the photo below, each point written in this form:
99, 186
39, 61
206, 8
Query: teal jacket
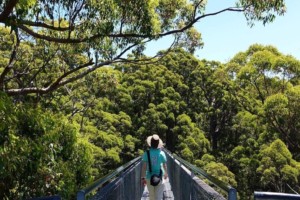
157, 158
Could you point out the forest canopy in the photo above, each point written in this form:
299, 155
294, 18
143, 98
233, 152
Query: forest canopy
78, 97
241, 117
70, 39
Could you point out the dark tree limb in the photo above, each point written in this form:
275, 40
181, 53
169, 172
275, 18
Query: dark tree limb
122, 35
63, 79
8, 10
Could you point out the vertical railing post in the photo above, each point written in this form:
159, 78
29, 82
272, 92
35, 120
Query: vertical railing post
122, 185
81, 195
232, 194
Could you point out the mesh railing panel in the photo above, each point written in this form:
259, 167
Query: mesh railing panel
126, 187
186, 186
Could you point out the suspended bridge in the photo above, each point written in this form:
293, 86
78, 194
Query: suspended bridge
186, 182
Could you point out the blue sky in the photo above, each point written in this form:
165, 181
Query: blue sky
226, 34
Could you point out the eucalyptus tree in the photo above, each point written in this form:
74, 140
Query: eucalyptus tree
213, 101
207, 95
95, 104
101, 32
154, 101
217, 170
40, 153
266, 90
282, 111
264, 81
192, 143
262, 71
243, 160
279, 171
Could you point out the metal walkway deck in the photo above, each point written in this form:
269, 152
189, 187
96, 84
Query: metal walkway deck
168, 193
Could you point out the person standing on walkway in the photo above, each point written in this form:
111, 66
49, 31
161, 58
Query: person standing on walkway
158, 167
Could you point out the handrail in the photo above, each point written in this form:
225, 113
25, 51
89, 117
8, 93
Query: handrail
98, 183
232, 193
275, 195
55, 197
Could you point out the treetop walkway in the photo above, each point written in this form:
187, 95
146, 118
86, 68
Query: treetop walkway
186, 182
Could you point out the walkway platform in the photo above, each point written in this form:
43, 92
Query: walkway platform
168, 193
125, 183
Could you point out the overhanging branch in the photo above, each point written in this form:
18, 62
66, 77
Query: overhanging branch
115, 35
189, 25
7, 10
63, 79
44, 25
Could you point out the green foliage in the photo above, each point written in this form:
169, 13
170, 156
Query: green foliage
281, 110
265, 11
40, 155
221, 172
191, 104
7, 117
262, 78
243, 161
220, 117
277, 167
64, 41
191, 141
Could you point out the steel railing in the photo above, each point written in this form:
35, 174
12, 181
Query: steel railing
232, 193
108, 178
124, 182
275, 195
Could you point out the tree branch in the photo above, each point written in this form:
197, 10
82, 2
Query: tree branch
196, 8
61, 82
69, 40
121, 35
77, 10
43, 25
7, 10
46, 61
189, 25
150, 60
63, 79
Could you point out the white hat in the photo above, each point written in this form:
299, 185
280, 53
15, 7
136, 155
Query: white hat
155, 137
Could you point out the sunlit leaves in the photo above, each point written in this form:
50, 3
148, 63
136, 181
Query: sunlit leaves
25, 5
221, 172
261, 10
277, 167
191, 139
277, 105
282, 111
41, 151
191, 40
103, 120
288, 68
265, 82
